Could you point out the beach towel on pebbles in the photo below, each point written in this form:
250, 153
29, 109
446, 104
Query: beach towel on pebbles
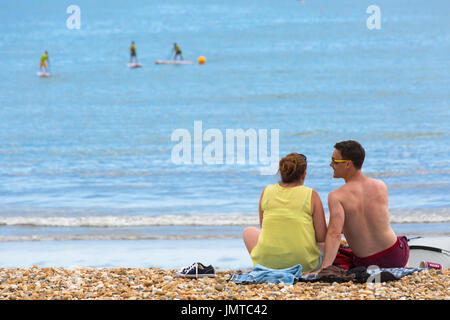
359, 274
261, 274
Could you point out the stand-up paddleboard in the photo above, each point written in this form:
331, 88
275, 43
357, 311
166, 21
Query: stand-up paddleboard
43, 74
429, 249
174, 62
134, 65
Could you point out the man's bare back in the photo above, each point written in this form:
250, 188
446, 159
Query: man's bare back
359, 209
366, 223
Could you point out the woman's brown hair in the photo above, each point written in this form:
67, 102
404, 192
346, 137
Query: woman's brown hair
292, 167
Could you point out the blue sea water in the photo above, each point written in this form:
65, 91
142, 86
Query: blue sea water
86, 155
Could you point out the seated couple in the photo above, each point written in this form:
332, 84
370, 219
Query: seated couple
293, 228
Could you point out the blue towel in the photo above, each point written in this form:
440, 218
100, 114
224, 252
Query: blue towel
261, 274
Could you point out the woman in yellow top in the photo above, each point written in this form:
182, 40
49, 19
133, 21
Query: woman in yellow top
292, 221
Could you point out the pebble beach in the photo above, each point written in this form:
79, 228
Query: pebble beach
163, 284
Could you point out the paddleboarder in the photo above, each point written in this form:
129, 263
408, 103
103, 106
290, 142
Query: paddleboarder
44, 60
177, 51
133, 52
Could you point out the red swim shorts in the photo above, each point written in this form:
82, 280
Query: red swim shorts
396, 256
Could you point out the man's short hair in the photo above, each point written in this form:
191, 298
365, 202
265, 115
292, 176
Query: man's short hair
352, 150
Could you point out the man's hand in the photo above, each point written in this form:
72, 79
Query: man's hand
314, 272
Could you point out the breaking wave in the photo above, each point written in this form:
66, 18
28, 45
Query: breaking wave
234, 219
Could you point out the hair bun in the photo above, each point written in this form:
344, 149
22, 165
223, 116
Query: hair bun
292, 167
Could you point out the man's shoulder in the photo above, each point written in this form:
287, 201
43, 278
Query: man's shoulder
377, 183
337, 193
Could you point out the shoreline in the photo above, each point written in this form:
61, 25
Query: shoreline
163, 284
223, 254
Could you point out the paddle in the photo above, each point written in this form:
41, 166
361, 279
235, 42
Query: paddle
48, 69
429, 248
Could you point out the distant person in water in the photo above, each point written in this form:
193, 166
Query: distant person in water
44, 60
292, 221
133, 52
177, 51
359, 210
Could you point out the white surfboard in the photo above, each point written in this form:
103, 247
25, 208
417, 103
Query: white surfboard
174, 62
429, 249
43, 74
134, 65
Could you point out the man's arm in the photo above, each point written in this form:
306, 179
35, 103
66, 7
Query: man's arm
334, 231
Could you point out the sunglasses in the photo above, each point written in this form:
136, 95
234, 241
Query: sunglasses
334, 161
303, 156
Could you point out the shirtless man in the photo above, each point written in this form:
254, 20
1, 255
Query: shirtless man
359, 209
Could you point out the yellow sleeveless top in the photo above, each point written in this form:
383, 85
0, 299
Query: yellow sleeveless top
287, 236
